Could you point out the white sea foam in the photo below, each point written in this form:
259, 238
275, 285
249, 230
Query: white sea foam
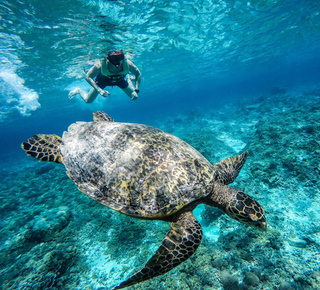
14, 95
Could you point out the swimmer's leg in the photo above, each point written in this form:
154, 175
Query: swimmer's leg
73, 93
87, 97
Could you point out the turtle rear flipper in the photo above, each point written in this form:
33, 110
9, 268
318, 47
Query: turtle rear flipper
179, 244
44, 147
229, 168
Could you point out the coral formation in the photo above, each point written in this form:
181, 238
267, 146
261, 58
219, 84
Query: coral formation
54, 237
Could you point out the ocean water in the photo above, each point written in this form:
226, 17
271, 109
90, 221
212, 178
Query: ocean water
225, 76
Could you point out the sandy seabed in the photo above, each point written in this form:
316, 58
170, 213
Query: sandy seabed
55, 237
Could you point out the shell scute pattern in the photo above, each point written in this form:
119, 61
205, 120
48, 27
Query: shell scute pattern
147, 173
135, 169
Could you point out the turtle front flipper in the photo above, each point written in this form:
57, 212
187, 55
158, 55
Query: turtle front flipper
101, 116
44, 147
229, 168
179, 244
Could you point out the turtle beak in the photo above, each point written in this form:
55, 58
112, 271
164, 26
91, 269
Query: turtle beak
259, 223
263, 226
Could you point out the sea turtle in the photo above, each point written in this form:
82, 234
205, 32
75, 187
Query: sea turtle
146, 173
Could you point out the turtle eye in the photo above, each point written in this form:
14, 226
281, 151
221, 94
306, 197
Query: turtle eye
253, 217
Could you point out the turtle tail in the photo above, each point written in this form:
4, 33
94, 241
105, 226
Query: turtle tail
44, 147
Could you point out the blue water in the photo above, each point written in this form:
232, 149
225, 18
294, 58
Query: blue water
225, 76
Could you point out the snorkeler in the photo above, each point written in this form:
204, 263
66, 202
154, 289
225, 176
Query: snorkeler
110, 71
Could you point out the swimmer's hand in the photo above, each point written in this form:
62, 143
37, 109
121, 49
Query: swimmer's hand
134, 96
104, 93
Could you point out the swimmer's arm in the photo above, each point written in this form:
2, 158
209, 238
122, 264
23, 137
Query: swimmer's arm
134, 70
92, 73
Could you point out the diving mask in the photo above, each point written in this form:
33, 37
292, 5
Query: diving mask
115, 57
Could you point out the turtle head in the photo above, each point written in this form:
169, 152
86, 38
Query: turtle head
246, 210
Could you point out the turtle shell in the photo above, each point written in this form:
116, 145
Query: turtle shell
135, 169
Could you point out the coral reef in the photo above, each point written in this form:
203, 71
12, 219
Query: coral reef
54, 237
